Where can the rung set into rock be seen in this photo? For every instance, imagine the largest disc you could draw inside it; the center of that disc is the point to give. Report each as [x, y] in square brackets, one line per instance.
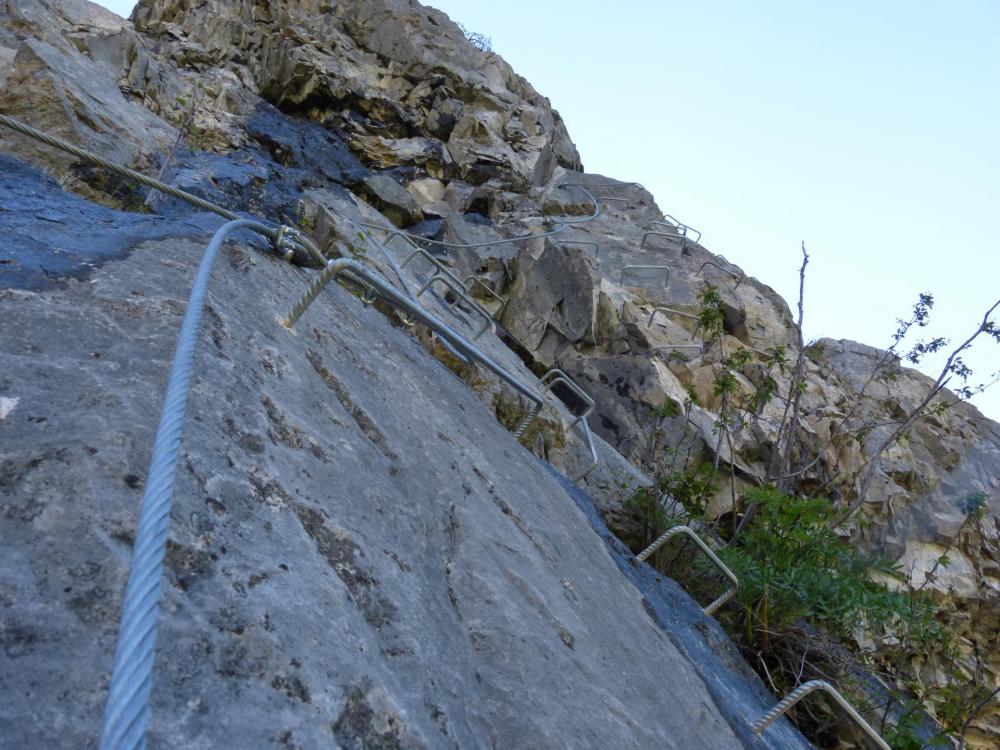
[360, 553]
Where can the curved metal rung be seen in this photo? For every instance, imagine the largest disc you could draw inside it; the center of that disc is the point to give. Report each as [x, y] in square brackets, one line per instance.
[626, 201]
[421, 252]
[671, 311]
[801, 692]
[597, 247]
[679, 223]
[476, 280]
[444, 274]
[612, 185]
[549, 379]
[699, 348]
[723, 568]
[672, 235]
[455, 286]
[740, 277]
[666, 281]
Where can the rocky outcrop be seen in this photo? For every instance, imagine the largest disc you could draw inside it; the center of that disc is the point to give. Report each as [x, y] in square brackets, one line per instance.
[376, 565]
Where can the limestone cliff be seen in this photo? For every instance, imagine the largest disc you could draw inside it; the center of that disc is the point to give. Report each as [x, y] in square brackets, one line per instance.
[361, 554]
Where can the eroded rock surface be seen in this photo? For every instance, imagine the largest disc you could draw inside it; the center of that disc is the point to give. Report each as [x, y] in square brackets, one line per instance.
[432, 598]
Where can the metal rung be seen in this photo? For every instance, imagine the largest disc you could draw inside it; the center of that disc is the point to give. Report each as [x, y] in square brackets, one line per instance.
[672, 235]
[699, 347]
[723, 568]
[671, 311]
[801, 692]
[666, 281]
[678, 222]
[626, 201]
[740, 277]
[549, 380]
[476, 280]
[597, 247]
[668, 220]
[449, 281]
[444, 275]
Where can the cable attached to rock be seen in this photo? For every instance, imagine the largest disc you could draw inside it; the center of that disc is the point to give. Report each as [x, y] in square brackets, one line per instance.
[289, 238]
[127, 710]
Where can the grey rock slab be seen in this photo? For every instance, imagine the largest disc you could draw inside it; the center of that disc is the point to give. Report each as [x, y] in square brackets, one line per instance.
[392, 199]
[63, 92]
[41, 230]
[360, 554]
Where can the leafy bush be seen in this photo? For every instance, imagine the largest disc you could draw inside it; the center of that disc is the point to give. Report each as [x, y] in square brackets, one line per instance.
[792, 567]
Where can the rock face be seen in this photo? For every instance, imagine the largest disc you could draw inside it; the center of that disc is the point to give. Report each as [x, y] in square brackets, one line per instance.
[362, 555]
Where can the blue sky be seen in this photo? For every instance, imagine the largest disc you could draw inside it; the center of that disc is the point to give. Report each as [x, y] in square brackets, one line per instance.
[869, 129]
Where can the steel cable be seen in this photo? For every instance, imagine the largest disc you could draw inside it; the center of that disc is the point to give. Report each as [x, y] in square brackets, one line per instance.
[127, 709]
[289, 234]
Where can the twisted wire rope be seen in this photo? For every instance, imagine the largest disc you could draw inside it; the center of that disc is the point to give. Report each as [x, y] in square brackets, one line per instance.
[127, 709]
[801, 692]
[287, 234]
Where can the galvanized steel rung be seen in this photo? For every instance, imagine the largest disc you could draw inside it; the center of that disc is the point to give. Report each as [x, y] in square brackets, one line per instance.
[613, 199]
[597, 247]
[626, 269]
[554, 376]
[672, 221]
[723, 568]
[489, 290]
[671, 311]
[671, 235]
[740, 277]
[548, 381]
[801, 692]
[444, 275]
[459, 291]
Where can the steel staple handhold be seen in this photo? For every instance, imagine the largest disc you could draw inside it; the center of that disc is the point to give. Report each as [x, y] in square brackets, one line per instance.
[670, 310]
[626, 269]
[801, 692]
[671, 235]
[723, 568]
[459, 290]
[740, 277]
[476, 280]
[555, 375]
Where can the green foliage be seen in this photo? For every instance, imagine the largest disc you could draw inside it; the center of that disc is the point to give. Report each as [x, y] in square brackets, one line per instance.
[711, 315]
[691, 488]
[792, 567]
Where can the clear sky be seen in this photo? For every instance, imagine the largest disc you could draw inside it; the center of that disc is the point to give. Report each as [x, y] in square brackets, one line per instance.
[871, 130]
